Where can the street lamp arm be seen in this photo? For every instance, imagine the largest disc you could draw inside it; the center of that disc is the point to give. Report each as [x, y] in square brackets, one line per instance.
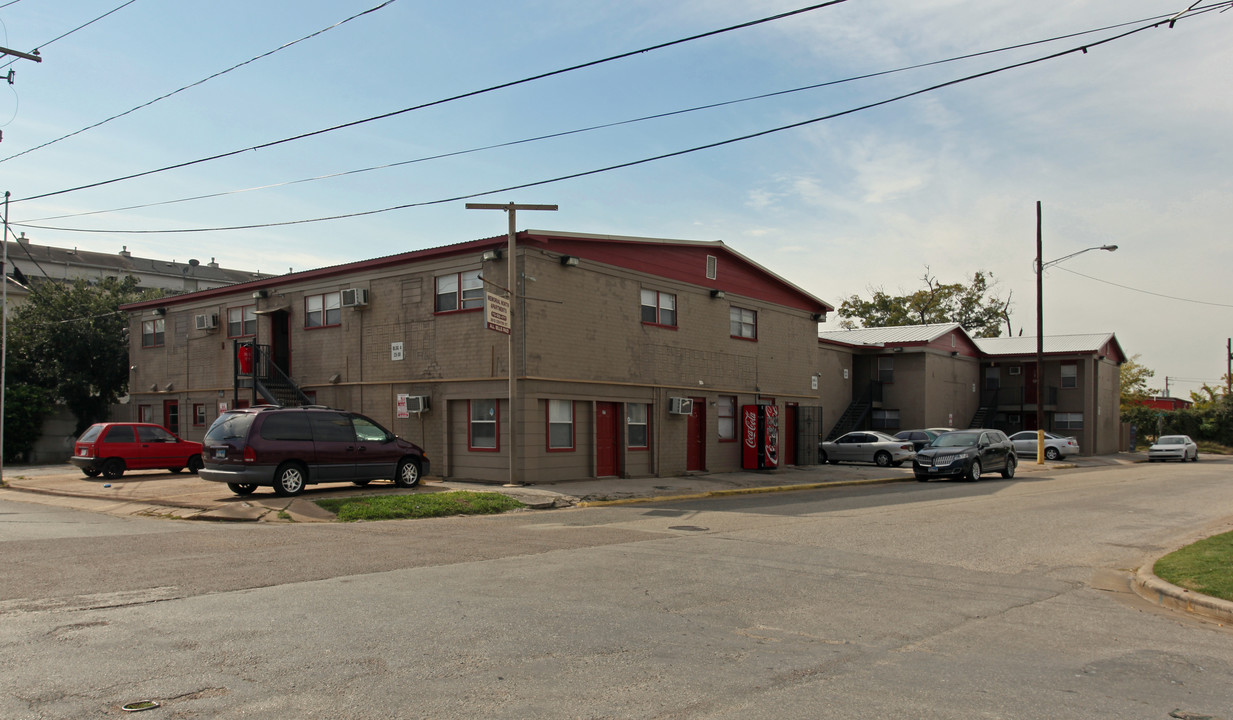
[1109, 248]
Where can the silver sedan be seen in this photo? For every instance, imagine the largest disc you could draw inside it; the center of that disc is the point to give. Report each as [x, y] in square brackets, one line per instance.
[867, 446]
[1056, 446]
[1173, 447]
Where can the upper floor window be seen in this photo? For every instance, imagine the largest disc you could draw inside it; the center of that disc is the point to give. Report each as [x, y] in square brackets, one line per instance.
[658, 308]
[743, 323]
[886, 369]
[242, 321]
[560, 424]
[1068, 421]
[323, 310]
[153, 332]
[460, 291]
[1070, 375]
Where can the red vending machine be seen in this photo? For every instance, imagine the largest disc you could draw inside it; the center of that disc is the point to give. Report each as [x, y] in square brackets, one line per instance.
[760, 437]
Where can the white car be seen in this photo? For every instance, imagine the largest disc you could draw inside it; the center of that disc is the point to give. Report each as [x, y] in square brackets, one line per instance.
[1173, 447]
[1056, 446]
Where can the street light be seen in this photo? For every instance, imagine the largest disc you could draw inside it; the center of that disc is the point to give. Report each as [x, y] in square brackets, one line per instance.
[1040, 330]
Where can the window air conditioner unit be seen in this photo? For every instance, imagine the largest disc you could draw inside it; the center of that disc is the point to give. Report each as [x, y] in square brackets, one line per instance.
[206, 322]
[354, 297]
[680, 406]
[1015, 369]
[417, 403]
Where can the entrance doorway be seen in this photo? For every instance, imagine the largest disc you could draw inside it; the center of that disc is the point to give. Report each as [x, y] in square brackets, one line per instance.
[280, 340]
[607, 439]
[695, 437]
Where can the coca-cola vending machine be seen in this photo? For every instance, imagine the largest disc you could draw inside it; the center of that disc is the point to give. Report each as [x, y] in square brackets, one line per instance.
[760, 437]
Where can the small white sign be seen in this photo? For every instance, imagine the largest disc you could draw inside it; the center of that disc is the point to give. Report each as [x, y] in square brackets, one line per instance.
[396, 351]
[403, 412]
[813, 382]
[496, 313]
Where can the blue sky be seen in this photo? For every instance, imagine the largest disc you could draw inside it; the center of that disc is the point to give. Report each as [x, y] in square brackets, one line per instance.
[1128, 144]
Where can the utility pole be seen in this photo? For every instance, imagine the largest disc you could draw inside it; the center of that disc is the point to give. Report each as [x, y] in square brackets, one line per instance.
[1040, 340]
[512, 260]
[1228, 368]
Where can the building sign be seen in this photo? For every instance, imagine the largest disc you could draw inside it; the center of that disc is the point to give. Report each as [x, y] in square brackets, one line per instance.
[496, 313]
[396, 351]
[401, 406]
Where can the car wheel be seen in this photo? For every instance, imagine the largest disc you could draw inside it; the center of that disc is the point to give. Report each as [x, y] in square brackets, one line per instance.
[1195, 458]
[1009, 471]
[90, 472]
[821, 458]
[195, 464]
[974, 470]
[113, 468]
[360, 483]
[408, 474]
[242, 488]
[290, 480]
[1053, 454]
[882, 458]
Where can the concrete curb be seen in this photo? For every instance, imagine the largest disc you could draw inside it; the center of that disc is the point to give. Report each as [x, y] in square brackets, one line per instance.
[740, 491]
[1151, 588]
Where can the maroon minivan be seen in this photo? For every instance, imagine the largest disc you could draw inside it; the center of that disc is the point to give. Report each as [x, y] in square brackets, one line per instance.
[112, 448]
[288, 448]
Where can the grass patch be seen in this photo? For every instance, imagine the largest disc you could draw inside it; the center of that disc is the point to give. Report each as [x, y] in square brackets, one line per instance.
[1205, 567]
[419, 505]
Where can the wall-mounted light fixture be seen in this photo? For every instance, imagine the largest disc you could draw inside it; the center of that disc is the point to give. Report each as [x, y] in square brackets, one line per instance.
[490, 255]
[954, 353]
[898, 349]
[717, 294]
[569, 261]
[160, 311]
[818, 317]
[261, 294]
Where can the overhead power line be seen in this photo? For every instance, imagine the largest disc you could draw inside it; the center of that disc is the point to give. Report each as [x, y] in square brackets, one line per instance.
[201, 81]
[473, 93]
[70, 32]
[1145, 292]
[602, 126]
[708, 146]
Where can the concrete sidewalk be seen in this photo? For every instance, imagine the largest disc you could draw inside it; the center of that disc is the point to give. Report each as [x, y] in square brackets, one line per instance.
[186, 496]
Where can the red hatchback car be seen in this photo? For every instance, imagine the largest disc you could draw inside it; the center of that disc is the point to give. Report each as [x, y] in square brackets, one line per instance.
[111, 448]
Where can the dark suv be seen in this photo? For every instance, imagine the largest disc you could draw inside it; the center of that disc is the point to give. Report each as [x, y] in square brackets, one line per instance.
[966, 454]
[288, 448]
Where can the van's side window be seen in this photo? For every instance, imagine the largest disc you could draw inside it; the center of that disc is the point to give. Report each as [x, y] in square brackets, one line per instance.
[286, 426]
[331, 427]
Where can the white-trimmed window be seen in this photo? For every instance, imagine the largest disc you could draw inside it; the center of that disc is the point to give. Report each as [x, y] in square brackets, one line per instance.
[560, 425]
[323, 310]
[1070, 375]
[483, 424]
[636, 426]
[743, 323]
[242, 321]
[1068, 421]
[153, 332]
[459, 291]
[658, 308]
[199, 414]
[727, 418]
[885, 419]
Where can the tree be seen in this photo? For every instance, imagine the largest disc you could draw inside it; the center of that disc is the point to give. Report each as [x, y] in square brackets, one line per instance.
[973, 305]
[1134, 376]
[70, 341]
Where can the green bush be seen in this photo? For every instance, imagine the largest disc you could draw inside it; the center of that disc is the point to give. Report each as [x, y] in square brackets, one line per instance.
[25, 407]
[419, 505]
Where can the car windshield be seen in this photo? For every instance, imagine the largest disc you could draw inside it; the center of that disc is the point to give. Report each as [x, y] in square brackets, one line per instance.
[1172, 440]
[956, 440]
[229, 426]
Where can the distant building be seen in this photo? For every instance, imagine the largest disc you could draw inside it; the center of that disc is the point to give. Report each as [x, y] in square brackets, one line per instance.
[30, 265]
[1167, 404]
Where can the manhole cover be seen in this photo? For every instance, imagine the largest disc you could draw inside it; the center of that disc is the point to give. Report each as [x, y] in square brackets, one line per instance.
[691, 528]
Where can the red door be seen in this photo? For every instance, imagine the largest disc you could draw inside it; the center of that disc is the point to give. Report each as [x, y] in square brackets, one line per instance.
[606, 439]
[787, 436]
[695, 436]
[171, 415]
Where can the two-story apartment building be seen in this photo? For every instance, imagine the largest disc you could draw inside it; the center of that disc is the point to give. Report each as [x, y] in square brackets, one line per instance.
[633, 356]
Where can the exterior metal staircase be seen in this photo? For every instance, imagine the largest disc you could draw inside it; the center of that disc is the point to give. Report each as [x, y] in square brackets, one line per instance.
[857, 411]
[255, 370]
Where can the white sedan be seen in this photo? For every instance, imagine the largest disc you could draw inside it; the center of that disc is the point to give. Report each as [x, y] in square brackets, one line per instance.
[1056, 446]
[1173, 447]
